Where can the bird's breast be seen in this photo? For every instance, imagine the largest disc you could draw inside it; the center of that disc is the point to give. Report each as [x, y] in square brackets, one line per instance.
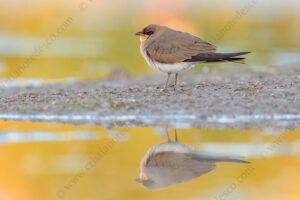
[164, 67]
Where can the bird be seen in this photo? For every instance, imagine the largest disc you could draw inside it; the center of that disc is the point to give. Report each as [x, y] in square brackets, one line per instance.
[172, 162]
[173, 51]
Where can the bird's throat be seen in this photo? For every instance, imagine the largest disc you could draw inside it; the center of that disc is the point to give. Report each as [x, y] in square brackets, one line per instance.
[143, 38]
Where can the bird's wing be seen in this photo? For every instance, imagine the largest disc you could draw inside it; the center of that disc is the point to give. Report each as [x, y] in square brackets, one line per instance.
[172, 167]
[176, 46]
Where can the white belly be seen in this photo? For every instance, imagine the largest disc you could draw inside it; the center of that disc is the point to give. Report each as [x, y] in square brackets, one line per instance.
[172, 68]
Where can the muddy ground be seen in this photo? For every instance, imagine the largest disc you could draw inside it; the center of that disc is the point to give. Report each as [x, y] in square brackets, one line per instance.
[232, 99]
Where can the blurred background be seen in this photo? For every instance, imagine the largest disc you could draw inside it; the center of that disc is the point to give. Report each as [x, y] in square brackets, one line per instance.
[89, 39]
[60, 40]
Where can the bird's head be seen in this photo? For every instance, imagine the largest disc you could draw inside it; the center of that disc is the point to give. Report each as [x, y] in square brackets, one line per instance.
[150, 31]
[152, 183]
[147, 182]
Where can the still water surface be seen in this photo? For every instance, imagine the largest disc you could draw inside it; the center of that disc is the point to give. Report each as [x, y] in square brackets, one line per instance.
[56, 161]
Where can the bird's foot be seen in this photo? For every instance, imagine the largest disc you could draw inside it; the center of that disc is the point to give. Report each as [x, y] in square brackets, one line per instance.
[168, 89]
[164, 90]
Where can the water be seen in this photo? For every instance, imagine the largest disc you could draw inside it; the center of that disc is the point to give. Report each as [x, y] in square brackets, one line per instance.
[177, 120]
[56, 161]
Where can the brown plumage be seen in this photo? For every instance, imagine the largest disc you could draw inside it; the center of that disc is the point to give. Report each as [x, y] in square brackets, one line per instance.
[173, 51]
[169, 46]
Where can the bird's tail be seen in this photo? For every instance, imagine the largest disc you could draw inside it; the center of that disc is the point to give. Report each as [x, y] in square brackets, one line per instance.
[202, 156]
[218, 57]
[231, 160]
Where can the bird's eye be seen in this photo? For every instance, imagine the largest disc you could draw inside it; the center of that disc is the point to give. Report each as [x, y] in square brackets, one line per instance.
[149, 33]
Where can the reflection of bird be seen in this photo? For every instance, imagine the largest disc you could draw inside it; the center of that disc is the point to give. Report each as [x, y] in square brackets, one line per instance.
[173, 51]
[172, 162]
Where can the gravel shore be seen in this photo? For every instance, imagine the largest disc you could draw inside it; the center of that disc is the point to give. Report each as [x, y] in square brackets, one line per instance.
[246, 101]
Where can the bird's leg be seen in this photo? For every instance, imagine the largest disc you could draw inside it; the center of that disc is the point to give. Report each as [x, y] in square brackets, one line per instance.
[169, 74]
[168, 135]
[176, 139]
[176, 76]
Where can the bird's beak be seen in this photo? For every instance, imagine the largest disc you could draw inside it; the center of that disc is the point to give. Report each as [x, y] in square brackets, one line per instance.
[140, 34]
[139, 180]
